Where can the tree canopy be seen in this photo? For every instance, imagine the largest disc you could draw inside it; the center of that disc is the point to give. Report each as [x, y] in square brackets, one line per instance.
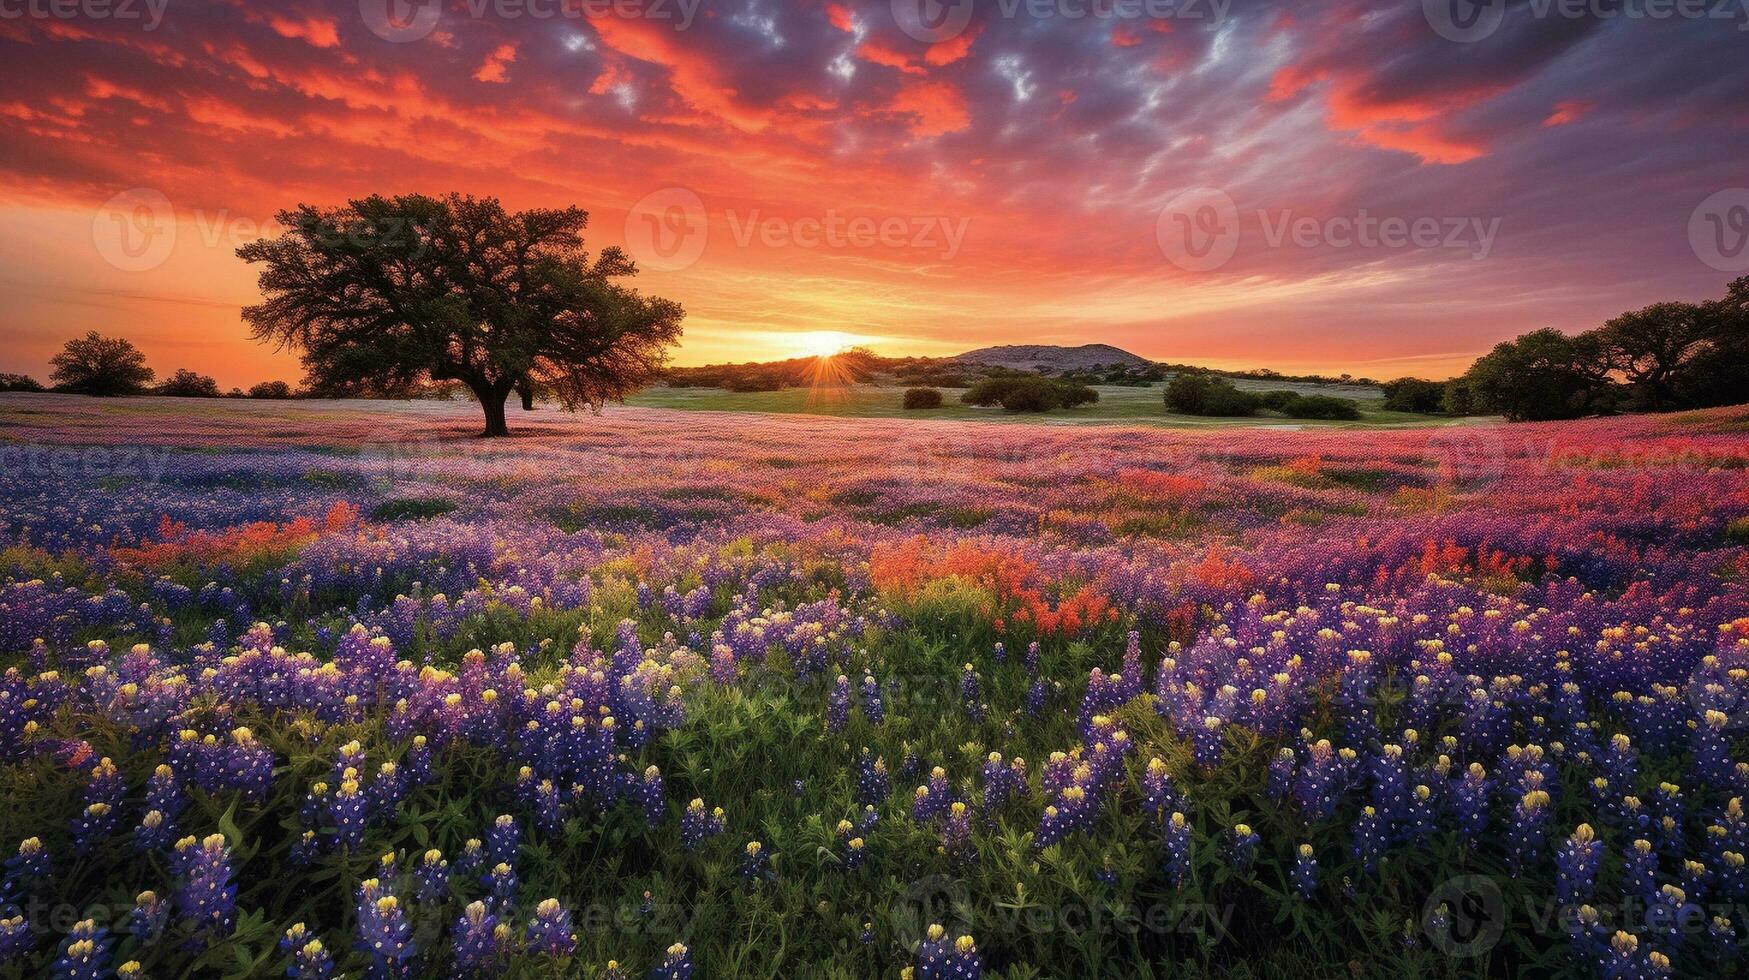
[99, 365]
[388, 293]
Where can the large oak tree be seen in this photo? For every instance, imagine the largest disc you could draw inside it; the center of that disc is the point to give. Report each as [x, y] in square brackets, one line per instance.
[389, 292]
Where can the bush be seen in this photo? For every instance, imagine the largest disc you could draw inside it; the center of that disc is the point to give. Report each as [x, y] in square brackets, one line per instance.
[1198, 393]
[19, 382]
[101, 366]
[271, 389]
[1322, 407]
[1028, 393]
[189, 384]
[922, 398]
[1277, 401]
[1415, 395]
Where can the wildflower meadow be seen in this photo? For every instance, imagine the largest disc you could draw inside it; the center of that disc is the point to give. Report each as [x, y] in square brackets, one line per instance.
[319, 689]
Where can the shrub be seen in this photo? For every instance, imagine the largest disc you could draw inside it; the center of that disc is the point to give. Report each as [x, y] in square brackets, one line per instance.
[189, 384]
[19, 382]
[1415, 395]
[1277, 401]
[1199, 393]
[922, 398]
[271, 389]
[1322, 407]
[1028, 393]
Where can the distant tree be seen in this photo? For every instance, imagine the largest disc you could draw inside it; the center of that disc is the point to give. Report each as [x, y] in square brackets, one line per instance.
[1276, 401]
[99, 365]
[1654, 347]
[1457, 399]
[1543, 375]
[916, 398]
[19, 382]
[392, 290]
[189, 384]
[1719, 373]
[235, 393]
[271, 389]
[1414, 395]
[1201, 393]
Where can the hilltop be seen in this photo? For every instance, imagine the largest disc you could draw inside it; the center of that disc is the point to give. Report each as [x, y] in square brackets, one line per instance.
[1031, 357]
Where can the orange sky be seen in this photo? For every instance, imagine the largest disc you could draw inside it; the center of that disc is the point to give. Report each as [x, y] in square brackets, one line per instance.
[796, 172]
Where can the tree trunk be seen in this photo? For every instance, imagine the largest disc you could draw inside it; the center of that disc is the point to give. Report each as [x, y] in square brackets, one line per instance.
[493, 404]
[526, 390]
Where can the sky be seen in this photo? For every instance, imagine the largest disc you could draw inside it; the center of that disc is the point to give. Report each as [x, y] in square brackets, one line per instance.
[1381, 188]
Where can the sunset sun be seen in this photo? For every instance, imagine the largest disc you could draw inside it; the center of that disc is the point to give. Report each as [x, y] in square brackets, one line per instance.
[822, 343]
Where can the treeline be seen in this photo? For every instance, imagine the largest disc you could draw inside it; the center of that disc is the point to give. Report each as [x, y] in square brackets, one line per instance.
[1664, 357]
[112, 367]
[1195, 392]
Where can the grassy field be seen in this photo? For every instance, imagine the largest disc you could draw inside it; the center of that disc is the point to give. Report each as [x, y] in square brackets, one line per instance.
[1116, 404]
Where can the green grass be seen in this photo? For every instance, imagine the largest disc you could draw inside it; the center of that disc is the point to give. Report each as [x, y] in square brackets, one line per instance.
[1117, 404]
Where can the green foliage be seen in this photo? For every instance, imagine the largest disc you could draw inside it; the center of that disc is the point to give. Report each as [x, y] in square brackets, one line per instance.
[1415, 395]
[1199, 393]
[922, 398]
[1540, 376]
[1028, 393]
[1321, 407]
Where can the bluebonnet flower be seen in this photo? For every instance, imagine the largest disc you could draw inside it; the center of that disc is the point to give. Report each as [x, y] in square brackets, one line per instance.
[873, 786]
[206, 897]
[956, 833]
[550, 932]
[1469, 800]
[310, 959]
[1158, 795]
[872, 707]
[696, 824]
[472, 859]
[647, 794]
[1576, 866]
[964, 963]
[1178, 844]
[676, 965]
[503, 839]
[85, 955]
[1243, 846]
[932, 954]
[90, 827]
[1282, 770]
[755, 864]
[1305, 872]
[384, 935]
[29, 867]
[1368, 844]
[148, 917]
[1524, 835]
[838, 705]
[475, 942]
[970, 695]
[501, 885]
[16, 939]
[1640, 869]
